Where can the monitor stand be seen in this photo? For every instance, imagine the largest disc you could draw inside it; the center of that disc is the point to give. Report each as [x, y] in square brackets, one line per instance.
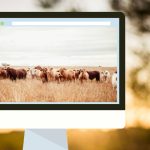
[47, 139]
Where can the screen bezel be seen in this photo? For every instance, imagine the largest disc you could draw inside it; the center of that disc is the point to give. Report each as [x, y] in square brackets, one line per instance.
[121, 105]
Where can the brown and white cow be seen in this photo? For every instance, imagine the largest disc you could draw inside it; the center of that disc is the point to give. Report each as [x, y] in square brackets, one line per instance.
[53, 75]
[38, 73]
[102, 78]
[34, 73]
[105, 76]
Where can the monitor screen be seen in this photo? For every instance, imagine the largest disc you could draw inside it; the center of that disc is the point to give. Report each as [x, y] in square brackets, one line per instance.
[62, 61]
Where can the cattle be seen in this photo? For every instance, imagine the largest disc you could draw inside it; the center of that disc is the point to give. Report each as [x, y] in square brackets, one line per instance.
[83, 75]
[30, 73]
[51, 74]
[43, 76]
[114, 80]
[38, 68]
[21, 73]
[39, 73]
[11, 74]
[44, 69]
[3, 73]
[102, 78]
[33, 73]
[77, 73]
[14, 74]
[54, 75]
[67, 74]
[58, 77]
[106, 76]
[94, 75]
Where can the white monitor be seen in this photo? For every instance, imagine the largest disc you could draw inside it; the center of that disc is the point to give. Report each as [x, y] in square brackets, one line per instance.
[62, 70]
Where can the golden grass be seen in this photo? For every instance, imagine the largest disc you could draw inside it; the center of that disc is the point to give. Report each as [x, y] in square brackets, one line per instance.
[35, 91]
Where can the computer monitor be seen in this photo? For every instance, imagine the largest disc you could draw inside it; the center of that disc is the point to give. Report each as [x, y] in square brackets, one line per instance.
[62, 70]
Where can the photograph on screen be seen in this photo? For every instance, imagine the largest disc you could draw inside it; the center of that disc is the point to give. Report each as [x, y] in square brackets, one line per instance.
[58, 64]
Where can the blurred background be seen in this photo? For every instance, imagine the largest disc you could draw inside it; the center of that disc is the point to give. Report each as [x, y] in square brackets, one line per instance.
[136, 134]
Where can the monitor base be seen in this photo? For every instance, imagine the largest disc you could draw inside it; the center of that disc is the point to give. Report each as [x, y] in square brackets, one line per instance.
[47, 139]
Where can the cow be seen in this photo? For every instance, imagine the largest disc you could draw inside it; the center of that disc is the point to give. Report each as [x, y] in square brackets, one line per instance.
[107, 76]
[29, 73]
[33, 73]
[58, 77]
[70, 73]
[11, 74]
[38, 68]
[24, 73]
[94, 75]
[54, 75]
[114, 80]
[3, 73]
[102, 78]
[38, 73]
[83, 75]
[77, 73]
[14, 74]
[43, 76]
[21, 73]
[51, 74]
[67, 74]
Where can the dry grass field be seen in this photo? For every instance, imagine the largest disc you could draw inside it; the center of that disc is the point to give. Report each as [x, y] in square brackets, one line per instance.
[33, 90]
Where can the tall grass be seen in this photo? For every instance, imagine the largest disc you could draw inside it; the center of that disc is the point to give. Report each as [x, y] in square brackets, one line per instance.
[36, 91]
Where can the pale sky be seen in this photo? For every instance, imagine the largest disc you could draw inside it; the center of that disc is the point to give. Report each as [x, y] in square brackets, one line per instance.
[58, 46]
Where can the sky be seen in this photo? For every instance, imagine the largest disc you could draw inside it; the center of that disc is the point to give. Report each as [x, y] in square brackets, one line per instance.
[92, 51]
[58, 46]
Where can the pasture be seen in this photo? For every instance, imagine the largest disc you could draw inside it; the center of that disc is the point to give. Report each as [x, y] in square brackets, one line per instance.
[33, 90]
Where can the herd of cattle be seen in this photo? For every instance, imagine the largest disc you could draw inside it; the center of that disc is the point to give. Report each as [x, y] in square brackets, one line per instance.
[47, 74]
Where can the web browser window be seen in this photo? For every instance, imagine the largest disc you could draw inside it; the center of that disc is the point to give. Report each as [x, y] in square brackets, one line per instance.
[62, 61]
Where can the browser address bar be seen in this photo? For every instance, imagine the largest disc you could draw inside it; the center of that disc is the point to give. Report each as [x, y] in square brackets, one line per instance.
[47, 23]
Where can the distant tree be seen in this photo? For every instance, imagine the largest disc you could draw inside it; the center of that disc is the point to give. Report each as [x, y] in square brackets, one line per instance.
[139, 80]
[138, 12]
[47, 3]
